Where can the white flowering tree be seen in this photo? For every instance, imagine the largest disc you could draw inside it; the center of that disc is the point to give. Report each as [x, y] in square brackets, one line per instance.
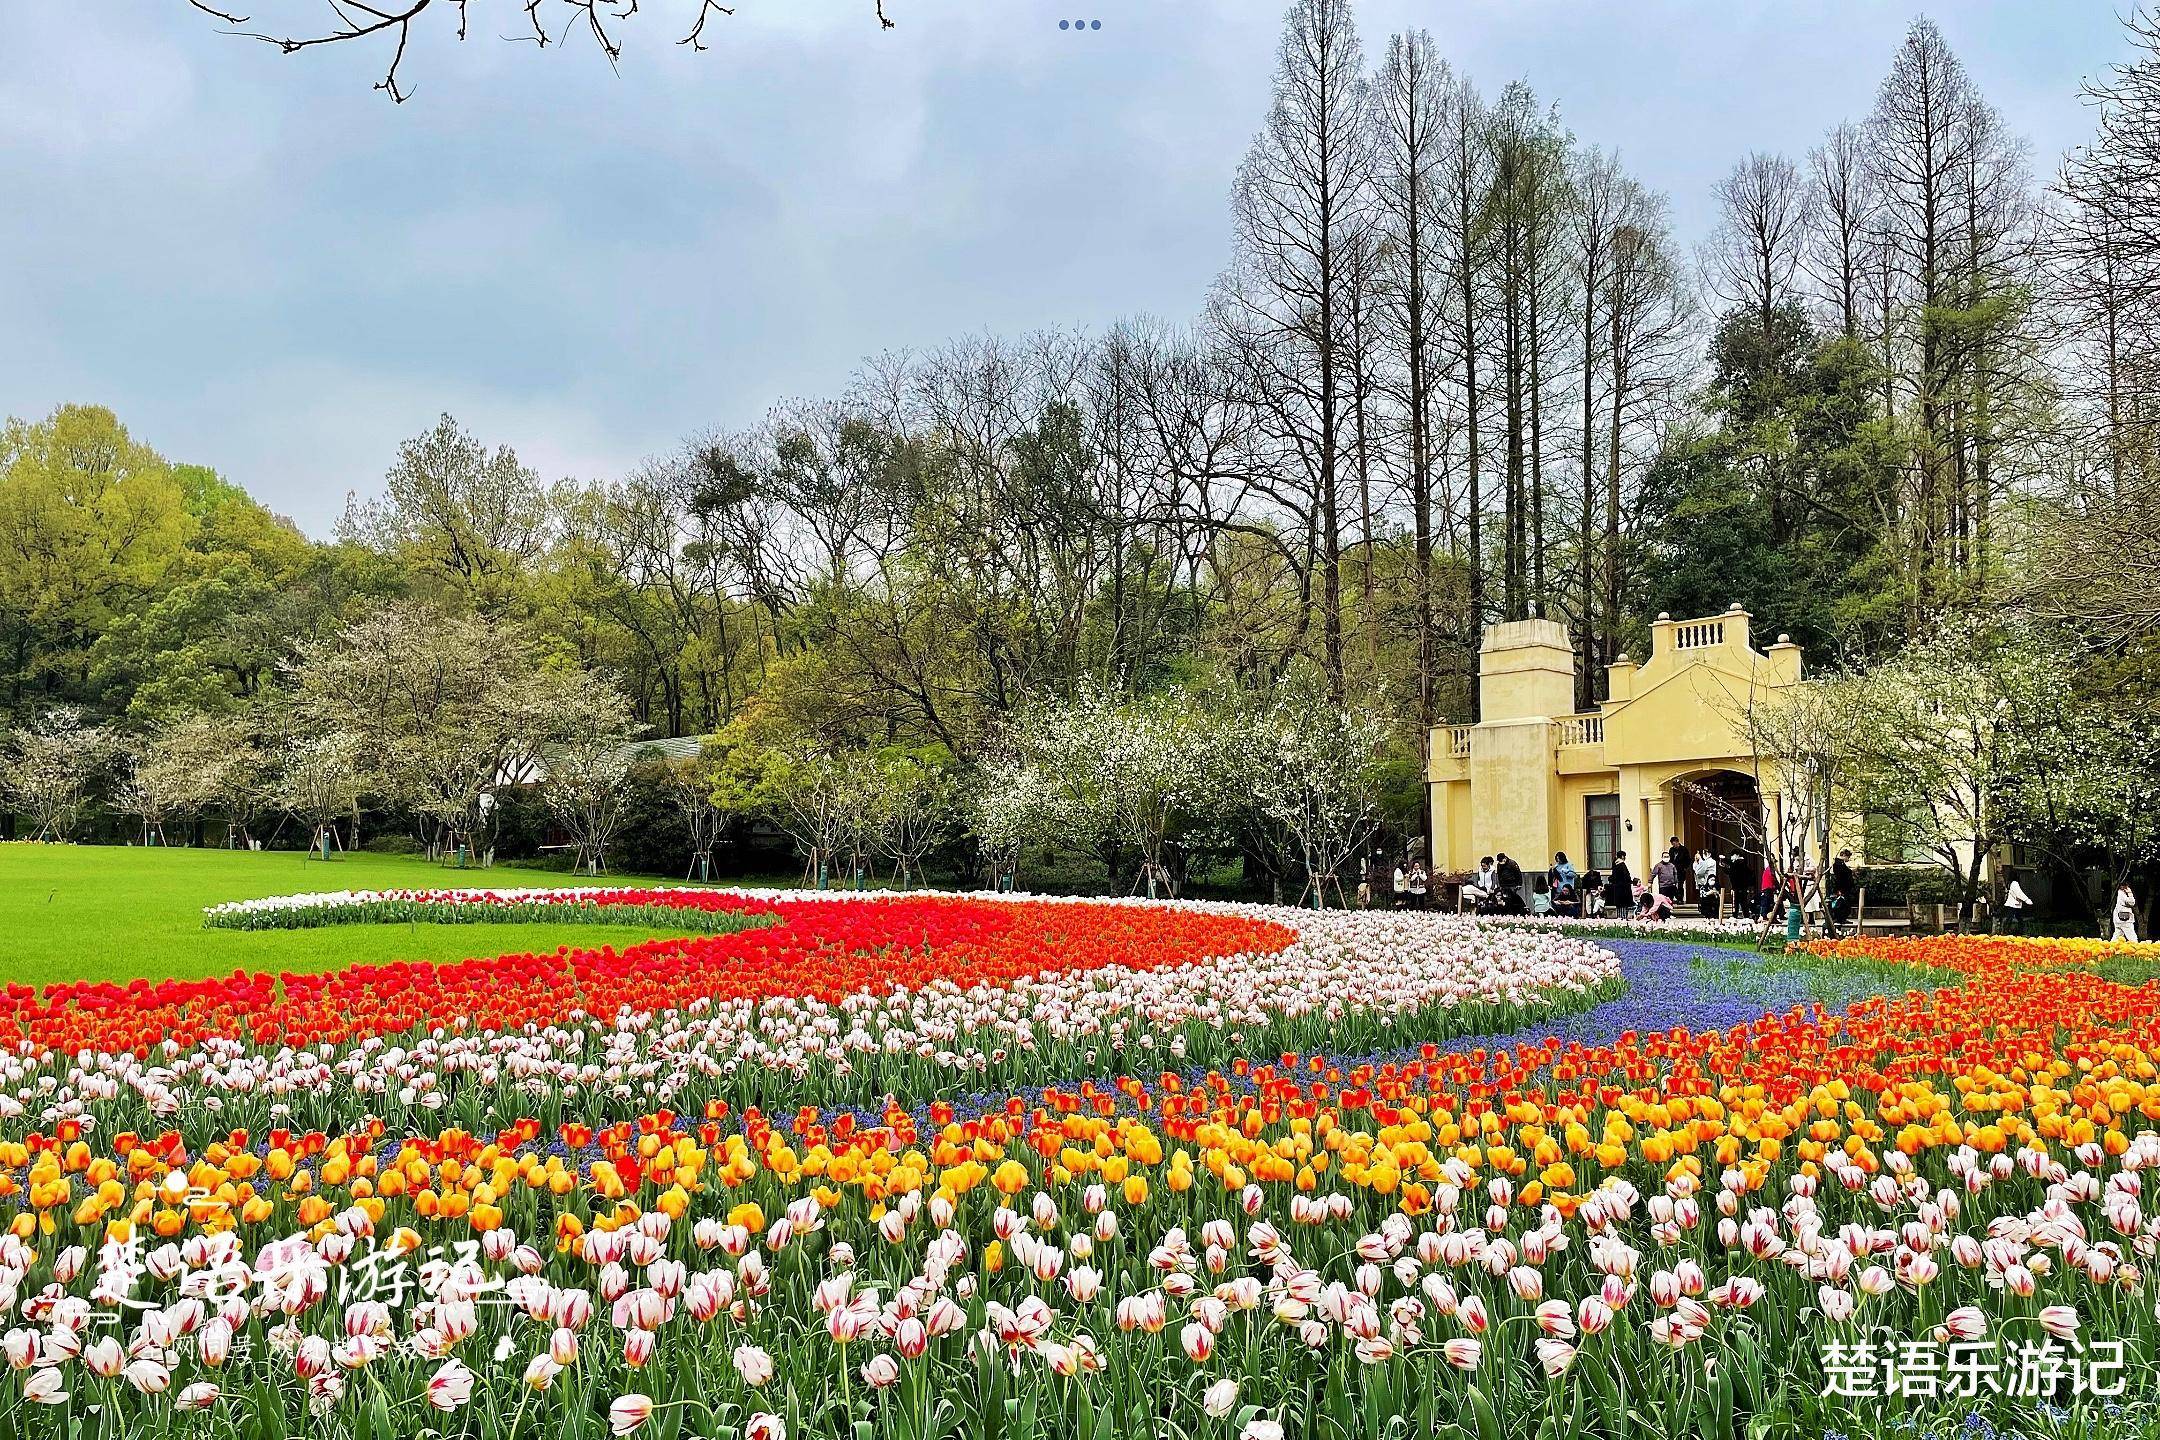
[50, 768]
[320, 781]
[1007, 809]
[588, 781]
[1138, 773]
[450, 708]
[227, 766]
[1315, 767]
[1806, 742]
[810, 794]
[1950, 732]
[165, 778]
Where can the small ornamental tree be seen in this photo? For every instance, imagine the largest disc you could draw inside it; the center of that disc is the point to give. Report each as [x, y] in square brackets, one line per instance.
[1010, 806]
[807, 792]
[1138, 773]
[449, 708]
[1806, 742]
[1949, 735]
[320, 782]
[688, 783]
[51, 768]
[587, 767]
[238, 772]
[1315, 768]
[917, 798]
[587, 782]
[165, 780]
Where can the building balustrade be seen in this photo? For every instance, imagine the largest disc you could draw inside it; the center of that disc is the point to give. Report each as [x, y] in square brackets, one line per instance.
[1582, 730]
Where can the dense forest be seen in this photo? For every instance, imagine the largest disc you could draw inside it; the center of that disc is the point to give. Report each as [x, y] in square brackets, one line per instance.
[1458, 368]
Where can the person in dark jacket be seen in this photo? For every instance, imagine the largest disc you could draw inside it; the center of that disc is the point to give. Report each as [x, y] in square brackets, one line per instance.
[1844, 892]
[1620, 887]
[1746, 880]
[1510, 873]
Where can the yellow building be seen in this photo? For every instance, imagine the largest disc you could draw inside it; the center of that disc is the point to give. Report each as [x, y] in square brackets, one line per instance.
[1665, 757]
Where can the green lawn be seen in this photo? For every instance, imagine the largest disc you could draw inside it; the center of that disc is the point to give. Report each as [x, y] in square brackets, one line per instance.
[102, 912]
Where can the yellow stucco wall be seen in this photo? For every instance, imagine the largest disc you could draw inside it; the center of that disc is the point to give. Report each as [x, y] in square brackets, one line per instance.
[1517, 780]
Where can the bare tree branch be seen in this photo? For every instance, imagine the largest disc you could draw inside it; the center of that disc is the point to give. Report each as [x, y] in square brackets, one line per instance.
[705, 10]
[360, 20]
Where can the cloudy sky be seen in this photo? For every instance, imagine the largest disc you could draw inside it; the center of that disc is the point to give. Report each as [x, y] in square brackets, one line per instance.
[264, 266]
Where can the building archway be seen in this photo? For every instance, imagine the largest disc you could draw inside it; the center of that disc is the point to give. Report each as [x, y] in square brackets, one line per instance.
[1719, 811]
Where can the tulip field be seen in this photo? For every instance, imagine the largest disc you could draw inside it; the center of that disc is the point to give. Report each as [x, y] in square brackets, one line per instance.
[922, 1166]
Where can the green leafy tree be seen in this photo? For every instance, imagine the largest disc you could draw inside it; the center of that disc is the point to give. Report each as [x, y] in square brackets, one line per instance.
[91, 521]
[462, 519]
[1786, 496]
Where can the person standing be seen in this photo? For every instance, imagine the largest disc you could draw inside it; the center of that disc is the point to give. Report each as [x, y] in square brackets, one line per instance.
[1844, 892]
[1665, 879]
[2015, 903]
[1420, 885]
[1399, 889]
[2126, 910]
[1620, 887]
[1375, 888]
[1745, 875]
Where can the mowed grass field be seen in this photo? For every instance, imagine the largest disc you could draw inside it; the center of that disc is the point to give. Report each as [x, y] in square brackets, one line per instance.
[104, 912]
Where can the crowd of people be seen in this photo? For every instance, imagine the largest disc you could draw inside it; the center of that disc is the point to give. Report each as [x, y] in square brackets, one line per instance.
[1738, 884]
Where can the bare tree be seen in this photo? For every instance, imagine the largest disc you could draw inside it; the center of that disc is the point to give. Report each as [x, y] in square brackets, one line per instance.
[1644, 316]
[1918, 150]
[1465, 243]
[1410, 104]
[1600, 193]
[1301, 204]
[1843, 203]
[2108, 275]
[1764, 225]
[1523, 213]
